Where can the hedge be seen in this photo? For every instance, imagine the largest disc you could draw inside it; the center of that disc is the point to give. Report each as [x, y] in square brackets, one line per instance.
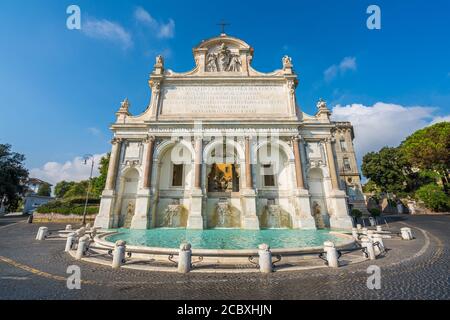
[67, 208]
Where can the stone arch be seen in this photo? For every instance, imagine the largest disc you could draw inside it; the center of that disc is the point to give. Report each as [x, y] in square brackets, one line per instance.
[283, 162]
[212, 144]
[165, 146]
[211, 165]
[282, 145]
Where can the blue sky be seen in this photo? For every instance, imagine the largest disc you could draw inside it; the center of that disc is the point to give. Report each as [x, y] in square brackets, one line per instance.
[60, 88]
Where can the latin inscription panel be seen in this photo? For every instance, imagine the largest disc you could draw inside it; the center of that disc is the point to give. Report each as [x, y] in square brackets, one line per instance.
[222, 100]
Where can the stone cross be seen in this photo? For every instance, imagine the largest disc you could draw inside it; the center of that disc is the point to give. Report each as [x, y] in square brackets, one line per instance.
[223, 24]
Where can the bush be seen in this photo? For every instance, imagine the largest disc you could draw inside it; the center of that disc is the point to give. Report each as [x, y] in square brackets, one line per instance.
[374, 212]
[355, 213]
[434, 197]
[81, 201]
[62, 207]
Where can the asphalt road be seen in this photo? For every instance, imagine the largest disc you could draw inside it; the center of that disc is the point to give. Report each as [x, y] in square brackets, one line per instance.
[417, 269]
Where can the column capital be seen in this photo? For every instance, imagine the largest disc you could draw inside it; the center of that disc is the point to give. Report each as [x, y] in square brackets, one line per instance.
[149, 138]
[116, 140]
[329, 140]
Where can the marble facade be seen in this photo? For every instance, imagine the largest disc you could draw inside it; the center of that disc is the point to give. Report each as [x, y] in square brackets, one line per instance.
[224, 145]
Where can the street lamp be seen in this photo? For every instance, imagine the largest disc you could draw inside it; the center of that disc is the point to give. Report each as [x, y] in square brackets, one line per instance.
[86, 158]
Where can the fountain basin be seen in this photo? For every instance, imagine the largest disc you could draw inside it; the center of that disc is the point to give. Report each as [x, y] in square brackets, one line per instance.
[226, 239]
[226, 246]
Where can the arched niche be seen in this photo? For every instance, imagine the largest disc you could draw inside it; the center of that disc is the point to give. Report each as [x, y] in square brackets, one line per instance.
[129, 184]
[319, 208]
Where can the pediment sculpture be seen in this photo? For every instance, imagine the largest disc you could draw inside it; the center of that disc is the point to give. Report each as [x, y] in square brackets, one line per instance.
[223, 60]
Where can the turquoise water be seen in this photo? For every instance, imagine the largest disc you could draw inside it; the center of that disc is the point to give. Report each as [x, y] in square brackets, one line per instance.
[225, 238]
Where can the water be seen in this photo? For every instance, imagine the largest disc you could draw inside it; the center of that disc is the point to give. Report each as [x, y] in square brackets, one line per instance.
[225, 238]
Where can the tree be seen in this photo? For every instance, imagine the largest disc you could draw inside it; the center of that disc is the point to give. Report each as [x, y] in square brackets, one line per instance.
[98, 183]
[434, 197]
[77, 190]
[387, 169]
[429, 149]
[44, 190]
[12, 176]
[62, 187]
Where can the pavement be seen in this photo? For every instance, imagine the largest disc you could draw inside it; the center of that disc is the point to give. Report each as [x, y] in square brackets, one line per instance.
[417, 269]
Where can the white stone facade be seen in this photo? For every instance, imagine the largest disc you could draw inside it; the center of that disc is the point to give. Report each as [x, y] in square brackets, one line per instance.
[224, 145]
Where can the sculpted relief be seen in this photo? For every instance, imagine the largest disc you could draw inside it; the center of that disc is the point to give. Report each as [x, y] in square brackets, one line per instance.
[223, 60]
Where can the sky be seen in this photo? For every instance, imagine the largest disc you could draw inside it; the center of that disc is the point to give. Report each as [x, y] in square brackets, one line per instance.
[60, 88]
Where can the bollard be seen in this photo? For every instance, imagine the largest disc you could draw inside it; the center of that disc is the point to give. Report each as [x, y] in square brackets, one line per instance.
[118, 254]
[332, 255]
[379, 229]
[184, 258]
[69, 242]
[265, 258]
[94, 231]
[87, 226]
[379, 239]
[372, 221]
[68, 227]
[355, 233]
[42, 233]
[359, 226]
[81, 232]
[406, 233]
[82, 246]
[30, 219]
[368, 243]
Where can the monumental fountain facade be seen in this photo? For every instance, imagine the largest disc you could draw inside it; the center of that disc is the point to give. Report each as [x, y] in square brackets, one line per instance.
[226, 146]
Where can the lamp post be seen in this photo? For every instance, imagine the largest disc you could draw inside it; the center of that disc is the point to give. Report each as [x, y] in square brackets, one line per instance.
[86, 158]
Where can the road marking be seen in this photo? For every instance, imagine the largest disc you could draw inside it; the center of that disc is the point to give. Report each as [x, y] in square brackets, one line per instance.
[12, 224]
[14, 278]
[38, 272]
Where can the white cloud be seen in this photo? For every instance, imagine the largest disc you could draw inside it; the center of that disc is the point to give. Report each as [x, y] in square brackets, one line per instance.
[348, 63]
[441, 119]
[162, 30]
[107, 30]
[73, 170]
[384, 124]
[94, 131]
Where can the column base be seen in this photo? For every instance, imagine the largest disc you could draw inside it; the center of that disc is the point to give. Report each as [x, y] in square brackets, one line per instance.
[140, 219]
[303, 218]
[104, 218]
[195, 218]
[339, 217]
[250, 220]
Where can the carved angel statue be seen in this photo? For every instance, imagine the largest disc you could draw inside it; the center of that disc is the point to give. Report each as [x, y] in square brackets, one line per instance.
[287, 62]
[235, 63]
[321, 104]
[211, 62]
[124, 106]
[160, 60]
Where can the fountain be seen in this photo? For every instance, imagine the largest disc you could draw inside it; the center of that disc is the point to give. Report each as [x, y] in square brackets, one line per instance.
[173, 216]
[274, 217]
[224, 216]
[129, 215]
[318, 218]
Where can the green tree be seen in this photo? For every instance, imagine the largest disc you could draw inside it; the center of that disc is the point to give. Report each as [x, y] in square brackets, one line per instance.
[44, 190]
[429, 149]
[77, 190]
[434, 197]
[12, 176]
[387, 169]
[98, 183]
[62, 187]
